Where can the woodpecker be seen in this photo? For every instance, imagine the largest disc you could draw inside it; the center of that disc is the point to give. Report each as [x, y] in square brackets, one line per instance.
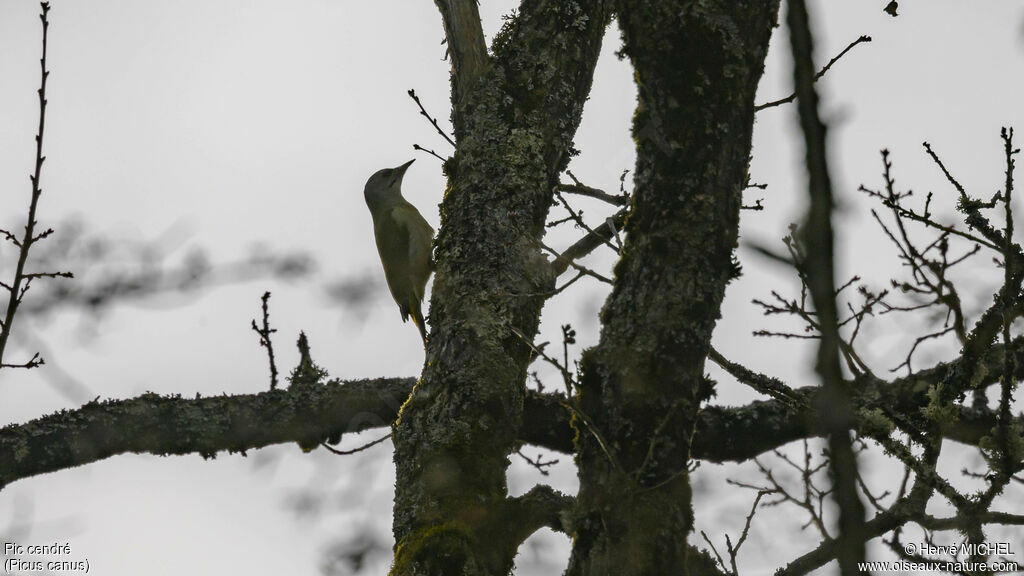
[404, 241]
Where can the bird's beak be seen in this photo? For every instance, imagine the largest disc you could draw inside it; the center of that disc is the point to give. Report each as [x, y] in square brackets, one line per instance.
[401, 169]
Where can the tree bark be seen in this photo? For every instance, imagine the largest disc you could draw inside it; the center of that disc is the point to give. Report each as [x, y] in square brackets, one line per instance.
[697, 69]
[515, 116]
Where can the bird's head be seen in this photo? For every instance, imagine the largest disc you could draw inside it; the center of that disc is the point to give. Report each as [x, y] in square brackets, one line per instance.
[385, 185]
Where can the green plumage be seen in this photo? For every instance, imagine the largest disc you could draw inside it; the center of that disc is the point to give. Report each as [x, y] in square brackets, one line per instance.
[404, 242]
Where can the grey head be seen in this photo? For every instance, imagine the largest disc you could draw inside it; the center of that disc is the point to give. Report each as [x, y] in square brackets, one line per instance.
[385, 185]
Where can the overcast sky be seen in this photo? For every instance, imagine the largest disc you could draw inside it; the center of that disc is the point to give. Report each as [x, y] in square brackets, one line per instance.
[231, 124]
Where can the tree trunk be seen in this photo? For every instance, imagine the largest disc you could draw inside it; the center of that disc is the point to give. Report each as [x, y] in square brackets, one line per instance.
[697, 68]
[515, 112]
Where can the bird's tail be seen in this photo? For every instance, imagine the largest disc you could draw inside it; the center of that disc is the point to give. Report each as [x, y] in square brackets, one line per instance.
[417, 319]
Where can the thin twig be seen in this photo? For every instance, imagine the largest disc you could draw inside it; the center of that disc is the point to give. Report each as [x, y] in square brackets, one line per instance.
[423, 112]
[1008, 462]
[539, 464]
[22, 280]
[588, 243]
[561, 258]
[577, 217]
[265, 342]
[581, 190]
[428, 151]
[817, 76]
[538, 351]
[354, 450]
[764, 384]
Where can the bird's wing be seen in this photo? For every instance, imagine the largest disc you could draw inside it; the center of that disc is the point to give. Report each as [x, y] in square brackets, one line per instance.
[420, 248]
[393, 244]
[404, 240]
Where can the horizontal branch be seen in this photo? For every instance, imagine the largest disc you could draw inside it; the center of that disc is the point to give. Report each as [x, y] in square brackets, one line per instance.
[165, 425]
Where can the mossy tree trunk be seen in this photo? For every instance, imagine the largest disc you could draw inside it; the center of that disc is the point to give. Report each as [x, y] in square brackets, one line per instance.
[697, 68]
[515, 111]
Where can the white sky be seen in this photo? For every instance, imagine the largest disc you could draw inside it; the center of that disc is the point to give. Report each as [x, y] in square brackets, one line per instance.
[246, 122]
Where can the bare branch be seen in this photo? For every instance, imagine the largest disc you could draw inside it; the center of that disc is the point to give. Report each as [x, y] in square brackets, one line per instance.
[419, 148]
[537, 463]
[17, 288]
[593, 193]
[34, 362]
[366, 446]
[821, 281]
[569, 261]
[264, 334]
[431, 119]
[577, 217]
[174, 425]
[589, 243]
[581, 189]
[817, 76]
[764, 384]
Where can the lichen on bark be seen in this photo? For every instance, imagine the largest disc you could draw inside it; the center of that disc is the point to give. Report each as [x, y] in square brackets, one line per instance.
[697, 71]
[515, 117]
